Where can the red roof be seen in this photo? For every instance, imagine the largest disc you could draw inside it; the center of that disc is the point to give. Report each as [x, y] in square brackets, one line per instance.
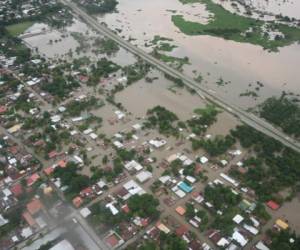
[77, 201]
[125, 209]
[180, 231]
[2, 109]
[145, 222]
[34, 206]
[49, 170]
[29, 219]
[17, 189]
[112, 240]
[32, 179]
[52, 154]
[62, 163]
[87, 192]
[273, 205]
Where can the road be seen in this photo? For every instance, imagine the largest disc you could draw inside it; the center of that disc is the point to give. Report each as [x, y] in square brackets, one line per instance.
[248, 118]
[74, 213]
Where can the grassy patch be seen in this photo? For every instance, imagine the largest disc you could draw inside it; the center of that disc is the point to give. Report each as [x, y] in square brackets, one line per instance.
[19, 28]
[163, 43]
[158, 38]
[166, 47]
[176, 62]
[238, 28]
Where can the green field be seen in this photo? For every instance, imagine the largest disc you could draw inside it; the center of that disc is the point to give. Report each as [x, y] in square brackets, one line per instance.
[19, 28]
[237, 28]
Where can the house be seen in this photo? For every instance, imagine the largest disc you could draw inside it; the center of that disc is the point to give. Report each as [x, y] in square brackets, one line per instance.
[17, 190]
[2, 109]
[49, 170]
[133, 165]
[143, 176]
[62, 163]
[29, 219]
[239, 238]
[34, 206]
[281, 225]
[112, 208]
[238, 219]
[77, 202]
[180, 210]
[273, 205]
[125, 209]
[157, 143]
[162, 227]
[182, 230]
[87, 192]
[113, 240]
[33, 179]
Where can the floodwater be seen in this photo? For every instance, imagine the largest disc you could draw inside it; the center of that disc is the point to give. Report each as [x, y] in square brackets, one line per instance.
[241, 64]
[289, 8]
[55, 44]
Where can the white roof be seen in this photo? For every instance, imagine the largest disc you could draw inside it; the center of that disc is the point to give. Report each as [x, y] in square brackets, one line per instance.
[112, 208]
[73, 132]
[165, 178]
[77, 119]
[224, 162]
[158, 143]
[85, 212]
[6, 192]
[203, 160]
[133, 188]
[26, 232]
[180, 193]
[118, 144]
[63, 245]
[238, 218]
[87, 131]
[191, 179]
[137, 126]
[229, 179]
[261, 246]
[187, 162]
[3, 221]
[143, 176]
[93, 136]
[101, 183]
[251, 229]
[254, 221]
[223, 242]
[239, 164]
[133, 165]
[78, 159]
[119, 114]
[55, 118]
[239, 238]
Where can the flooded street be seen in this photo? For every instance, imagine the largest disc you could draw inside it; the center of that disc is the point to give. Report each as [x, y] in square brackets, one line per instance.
[240, 63]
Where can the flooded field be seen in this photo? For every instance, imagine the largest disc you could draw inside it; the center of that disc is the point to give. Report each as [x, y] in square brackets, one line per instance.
[238, 63]
[61, 44]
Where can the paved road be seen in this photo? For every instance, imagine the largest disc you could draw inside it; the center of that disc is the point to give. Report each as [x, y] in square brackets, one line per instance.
[244, 116]
[74, 213]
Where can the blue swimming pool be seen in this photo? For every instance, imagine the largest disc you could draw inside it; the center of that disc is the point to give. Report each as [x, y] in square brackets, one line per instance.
[185, 187]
